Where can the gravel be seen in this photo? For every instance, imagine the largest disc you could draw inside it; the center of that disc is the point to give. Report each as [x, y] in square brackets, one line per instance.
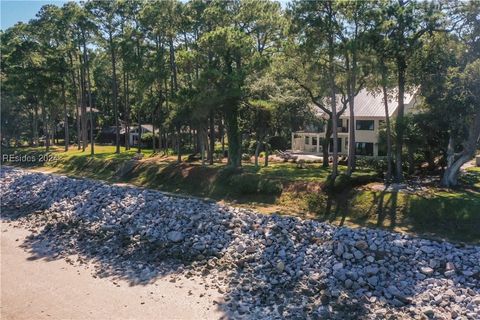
[265, 266]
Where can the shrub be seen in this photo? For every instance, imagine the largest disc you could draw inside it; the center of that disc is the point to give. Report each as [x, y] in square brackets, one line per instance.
[315, 202]
[248, 183]
[245, 157]
[278, 143]
[245, 183]
[268, 186]
[147, 139]
[377, 165]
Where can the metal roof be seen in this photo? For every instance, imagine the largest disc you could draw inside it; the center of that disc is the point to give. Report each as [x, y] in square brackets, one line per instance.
[370, 104]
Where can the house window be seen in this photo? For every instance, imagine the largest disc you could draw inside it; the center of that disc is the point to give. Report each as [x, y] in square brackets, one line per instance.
[365, 124]
[314, 141]
[364, 148]
[307, 140]
[339, 145]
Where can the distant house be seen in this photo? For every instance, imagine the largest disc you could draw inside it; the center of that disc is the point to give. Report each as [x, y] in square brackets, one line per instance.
[369, 118]
[134, 136]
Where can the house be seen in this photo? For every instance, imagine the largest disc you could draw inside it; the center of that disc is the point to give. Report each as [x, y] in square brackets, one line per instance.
[133, 138]
[369, 118]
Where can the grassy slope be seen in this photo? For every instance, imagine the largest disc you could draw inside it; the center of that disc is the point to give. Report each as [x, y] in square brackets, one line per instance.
[446, 214]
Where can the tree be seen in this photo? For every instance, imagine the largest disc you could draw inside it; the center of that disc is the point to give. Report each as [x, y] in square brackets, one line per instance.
[315, 66]
[407, 22]
[105, 14]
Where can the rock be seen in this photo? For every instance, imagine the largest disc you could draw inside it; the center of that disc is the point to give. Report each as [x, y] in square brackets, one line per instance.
[449, 273]
[250, 258]
[339, 250]
[426, 271]
[337, 266]
[427, 249]
[371, 270]
[428, 312]
[348, 283]
[347, 256]
[175, 236]
[373, 281]
[251, 249]
[449, 266]
[361, 245]
[358, 255]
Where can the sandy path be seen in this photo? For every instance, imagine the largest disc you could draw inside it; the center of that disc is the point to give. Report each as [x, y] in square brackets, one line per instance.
[41, 289]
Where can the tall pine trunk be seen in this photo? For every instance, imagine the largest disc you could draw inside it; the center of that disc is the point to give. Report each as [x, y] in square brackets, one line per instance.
[114, 92]
[401, 64]
[127, 111]
[84, 106]
[389, 133]
[89, 89]
[65, 118]
[212, 137]
[233, 136]
[326, 144]
[352, 83]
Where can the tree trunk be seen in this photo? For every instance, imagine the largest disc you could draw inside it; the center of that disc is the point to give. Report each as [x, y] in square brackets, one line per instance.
[212, 137]
[411, 160]
[127, 112]
[89, 88]
[139, 140]
[65, 118]
[173, 66]
[45, 128]
[257, 151]
[352, 84]
[75, 93]
[401, 65]
[84, 107]
[222, 136]
[233, 136]
[333, 100]
[267, 151]
[179, 153]
[114, 92]
[154, 144]
[326, 144]
[387, 123]
[202, 145]
[35, 126]
[450, 176]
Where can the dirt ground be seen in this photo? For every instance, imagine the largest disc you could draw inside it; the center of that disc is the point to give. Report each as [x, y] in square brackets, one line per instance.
[41, 289]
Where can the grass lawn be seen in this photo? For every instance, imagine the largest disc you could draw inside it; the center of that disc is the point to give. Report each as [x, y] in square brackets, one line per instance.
[285, 189]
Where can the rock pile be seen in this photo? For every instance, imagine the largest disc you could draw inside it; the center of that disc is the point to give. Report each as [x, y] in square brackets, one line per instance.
[264, 266]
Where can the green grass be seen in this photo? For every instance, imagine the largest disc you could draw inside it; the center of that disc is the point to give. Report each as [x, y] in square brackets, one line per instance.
[453, 214]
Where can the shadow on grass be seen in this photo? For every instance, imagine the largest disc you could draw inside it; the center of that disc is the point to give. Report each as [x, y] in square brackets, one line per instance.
[453, 215]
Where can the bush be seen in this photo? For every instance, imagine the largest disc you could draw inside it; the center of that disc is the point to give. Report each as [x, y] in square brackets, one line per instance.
[268, 186]
[245, 157]
[245, 183]
[147, 140]
[344, 182]
[278, 143]
[377, 165]
[316, 202]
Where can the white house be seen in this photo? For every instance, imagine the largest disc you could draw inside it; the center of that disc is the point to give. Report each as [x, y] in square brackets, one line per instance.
[369, 117]
[134, 137]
